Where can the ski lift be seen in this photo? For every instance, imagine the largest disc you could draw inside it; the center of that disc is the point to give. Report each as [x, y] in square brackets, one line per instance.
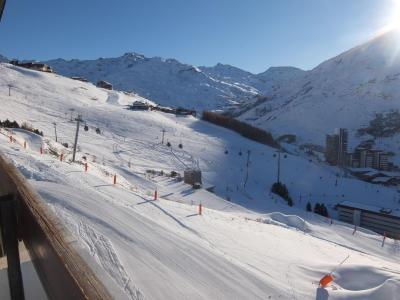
[86, 128]
[180, 146]
[98, 130]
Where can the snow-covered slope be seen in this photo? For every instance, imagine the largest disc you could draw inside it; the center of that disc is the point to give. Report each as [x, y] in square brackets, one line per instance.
[345, 91]
[3, 58]
[248, 244]
[166, 81]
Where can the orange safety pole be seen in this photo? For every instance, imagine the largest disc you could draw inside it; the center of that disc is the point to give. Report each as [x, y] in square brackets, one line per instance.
[327, 279]
[384, 238]
[155, 195]
[61, 156]
[86, 167]
[200, 209]
[41, 150]
[355, 229]
[115, 179]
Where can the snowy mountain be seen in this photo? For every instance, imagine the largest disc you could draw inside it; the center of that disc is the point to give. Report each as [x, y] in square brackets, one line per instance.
[345, 91]
[3, 58]
[247, 244]
[171, 83]
[166, 81]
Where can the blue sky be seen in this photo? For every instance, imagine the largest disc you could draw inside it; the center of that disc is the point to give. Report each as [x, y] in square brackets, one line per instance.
[250, 34]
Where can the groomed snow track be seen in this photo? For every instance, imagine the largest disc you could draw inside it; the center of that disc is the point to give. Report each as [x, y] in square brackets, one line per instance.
[64, 274]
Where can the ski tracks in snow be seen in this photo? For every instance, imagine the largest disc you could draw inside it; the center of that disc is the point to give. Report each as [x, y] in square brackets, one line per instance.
[101, 248]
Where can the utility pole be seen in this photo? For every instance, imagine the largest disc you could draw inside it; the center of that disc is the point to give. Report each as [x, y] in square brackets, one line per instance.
[279, 165]
[78, 120]
[163, 133]
[55, 129]
[247, 168]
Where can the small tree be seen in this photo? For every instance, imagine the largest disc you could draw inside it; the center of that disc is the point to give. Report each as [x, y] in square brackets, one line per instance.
[281, 190]
[317, 208]
[308, 207]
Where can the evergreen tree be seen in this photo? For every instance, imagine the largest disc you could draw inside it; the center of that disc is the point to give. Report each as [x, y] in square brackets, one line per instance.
[308, 207]
[317, 208]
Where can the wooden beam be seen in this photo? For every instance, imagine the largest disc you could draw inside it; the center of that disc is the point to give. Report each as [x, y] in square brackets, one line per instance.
[10, 240]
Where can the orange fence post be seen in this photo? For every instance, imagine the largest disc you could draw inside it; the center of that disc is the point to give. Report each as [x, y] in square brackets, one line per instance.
[327, 279]
[384, 238]
[200, 209]
[355, 229]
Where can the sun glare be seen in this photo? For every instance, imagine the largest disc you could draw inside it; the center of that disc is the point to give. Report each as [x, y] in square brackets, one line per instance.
[394, 18]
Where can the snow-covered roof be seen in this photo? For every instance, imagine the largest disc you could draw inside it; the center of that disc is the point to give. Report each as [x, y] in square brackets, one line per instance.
[371, 208]
[381, 179]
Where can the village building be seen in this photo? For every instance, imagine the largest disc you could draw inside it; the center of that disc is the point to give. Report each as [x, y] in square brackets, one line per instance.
[33, 66]
[377, 219]
[104, 84]
[79, 78]
[139, 105]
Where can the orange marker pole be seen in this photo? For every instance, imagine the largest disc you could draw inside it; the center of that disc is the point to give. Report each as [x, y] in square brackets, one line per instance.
[384, 238]
[61, 157]
[86, 167]
[115, 179]
[155, 195]
[355, 229]
[200, 209]
[327, 279]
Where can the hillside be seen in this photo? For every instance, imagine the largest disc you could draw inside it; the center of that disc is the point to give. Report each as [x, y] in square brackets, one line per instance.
[171, 83]
[345, 91]
[165, 81]
[248, 244]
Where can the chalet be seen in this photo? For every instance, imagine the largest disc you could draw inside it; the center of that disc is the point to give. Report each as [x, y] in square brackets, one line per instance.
[164, 109]
[375, 176]
[104, 84]
[378, 219]
[139, 105]
[79, 79]
[180, 111]
[185, 112]
[32, 65]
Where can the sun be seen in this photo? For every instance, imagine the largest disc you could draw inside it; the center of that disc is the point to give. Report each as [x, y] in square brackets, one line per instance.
[394, 17]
